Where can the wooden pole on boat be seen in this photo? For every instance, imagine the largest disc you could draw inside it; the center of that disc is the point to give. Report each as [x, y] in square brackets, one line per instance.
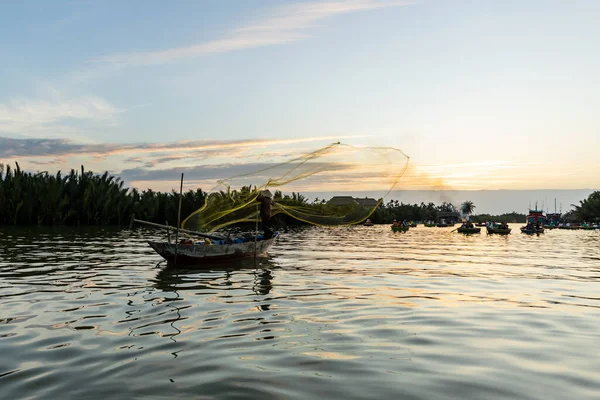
[178, 218]
[255, 235]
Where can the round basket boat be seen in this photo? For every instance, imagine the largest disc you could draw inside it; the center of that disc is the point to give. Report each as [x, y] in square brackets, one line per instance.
[532, 231]
[498, 231]
[469, 230]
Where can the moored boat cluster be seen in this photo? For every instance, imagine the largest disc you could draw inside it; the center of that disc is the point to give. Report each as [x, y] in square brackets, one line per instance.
[537, 222]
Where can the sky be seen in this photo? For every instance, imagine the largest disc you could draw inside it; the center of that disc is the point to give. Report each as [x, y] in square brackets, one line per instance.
[479, 94]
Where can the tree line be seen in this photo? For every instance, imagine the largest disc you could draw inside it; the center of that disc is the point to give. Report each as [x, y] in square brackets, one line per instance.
[395, 210]
[84, 198]
[588, 209]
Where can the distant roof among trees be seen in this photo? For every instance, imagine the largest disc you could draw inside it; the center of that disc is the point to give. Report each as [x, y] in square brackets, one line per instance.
[366, 202]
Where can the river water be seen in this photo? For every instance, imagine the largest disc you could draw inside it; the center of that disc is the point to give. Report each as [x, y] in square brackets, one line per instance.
[347, 313]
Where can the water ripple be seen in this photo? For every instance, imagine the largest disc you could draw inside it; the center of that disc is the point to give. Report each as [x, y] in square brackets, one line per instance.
[353, 313]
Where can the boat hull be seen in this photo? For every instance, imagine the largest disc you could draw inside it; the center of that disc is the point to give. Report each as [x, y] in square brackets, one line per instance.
[498, 231]
[531, 231]
[399, 228]
[198, 254]
[469, 230]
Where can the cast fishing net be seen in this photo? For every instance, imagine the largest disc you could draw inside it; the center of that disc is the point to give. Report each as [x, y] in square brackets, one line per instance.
[338, 169]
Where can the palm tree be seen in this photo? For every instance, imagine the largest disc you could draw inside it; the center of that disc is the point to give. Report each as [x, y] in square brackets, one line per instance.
[589, 209]
[467, 208]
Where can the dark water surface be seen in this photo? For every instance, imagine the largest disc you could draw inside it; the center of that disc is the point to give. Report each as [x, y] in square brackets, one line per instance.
[352, 313]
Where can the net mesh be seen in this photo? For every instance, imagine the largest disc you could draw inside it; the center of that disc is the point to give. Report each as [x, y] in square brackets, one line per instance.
[336, 168]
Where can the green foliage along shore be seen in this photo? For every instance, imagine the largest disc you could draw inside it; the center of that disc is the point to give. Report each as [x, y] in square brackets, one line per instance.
[394, 209]
[428, 212]
[508, 218]
[589, 209]
[85, 198]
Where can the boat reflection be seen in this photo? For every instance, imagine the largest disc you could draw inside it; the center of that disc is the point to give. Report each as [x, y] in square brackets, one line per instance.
[180, 283]
[171, 278]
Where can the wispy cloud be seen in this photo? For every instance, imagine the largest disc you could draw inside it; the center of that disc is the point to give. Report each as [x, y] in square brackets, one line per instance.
[329, 174]
[33, 117]
[286, 24]
[162, 152]
[154, 162]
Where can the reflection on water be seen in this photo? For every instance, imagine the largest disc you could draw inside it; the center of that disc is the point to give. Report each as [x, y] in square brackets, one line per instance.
[357, 312]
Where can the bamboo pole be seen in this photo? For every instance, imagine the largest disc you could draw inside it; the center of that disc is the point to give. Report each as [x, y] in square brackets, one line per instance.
[255, 235]
[178, 218]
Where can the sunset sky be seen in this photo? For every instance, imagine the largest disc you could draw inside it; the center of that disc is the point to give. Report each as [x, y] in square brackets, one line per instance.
[480, 94]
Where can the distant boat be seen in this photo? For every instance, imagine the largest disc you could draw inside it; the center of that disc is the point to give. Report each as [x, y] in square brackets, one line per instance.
[368, 223]
[531, 231]
[536, 216]
[400, 228]
[468, 230]
[553, 220]
[535, 222]
[480, 224]
[499, 231]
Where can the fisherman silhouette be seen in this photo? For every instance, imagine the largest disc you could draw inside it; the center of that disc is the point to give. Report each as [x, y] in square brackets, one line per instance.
[265, 212]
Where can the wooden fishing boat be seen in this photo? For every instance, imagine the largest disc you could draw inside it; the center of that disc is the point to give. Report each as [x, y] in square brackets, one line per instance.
[498, 231]
[208, 250]
[413, 225]
[204, 252]
[534, 218]
[468, 230]
[553, 219]
[400, 228]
